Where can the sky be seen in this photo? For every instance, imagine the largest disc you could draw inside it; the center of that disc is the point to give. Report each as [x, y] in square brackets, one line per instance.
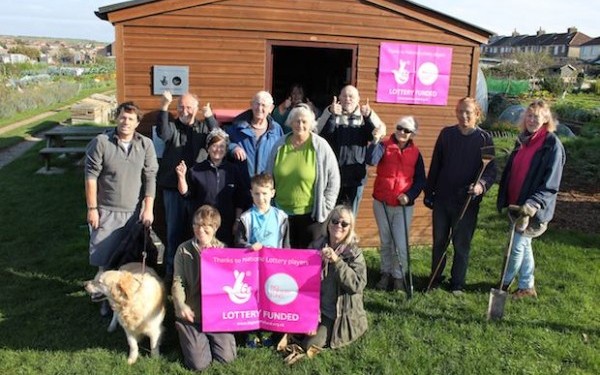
[76, 19]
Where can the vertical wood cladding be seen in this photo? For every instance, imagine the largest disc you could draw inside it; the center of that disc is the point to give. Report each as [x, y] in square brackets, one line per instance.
[224, 44]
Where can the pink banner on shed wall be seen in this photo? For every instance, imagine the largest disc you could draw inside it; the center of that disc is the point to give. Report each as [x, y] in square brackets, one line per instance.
[414, 73]
[272, 289]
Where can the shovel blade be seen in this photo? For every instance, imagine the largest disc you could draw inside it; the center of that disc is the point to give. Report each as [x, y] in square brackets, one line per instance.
[495, 309]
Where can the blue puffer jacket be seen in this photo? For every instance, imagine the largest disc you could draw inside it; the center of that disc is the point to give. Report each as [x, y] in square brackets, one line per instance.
[257, 152]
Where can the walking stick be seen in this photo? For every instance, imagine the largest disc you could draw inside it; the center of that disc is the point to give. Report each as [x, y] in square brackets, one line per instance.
[410, 281]
[387, 219]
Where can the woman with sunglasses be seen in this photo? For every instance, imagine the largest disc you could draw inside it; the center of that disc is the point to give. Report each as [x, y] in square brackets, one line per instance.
[400, 179]
[343, 280]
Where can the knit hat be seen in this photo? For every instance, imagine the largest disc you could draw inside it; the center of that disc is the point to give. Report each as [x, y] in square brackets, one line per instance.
[219, 133]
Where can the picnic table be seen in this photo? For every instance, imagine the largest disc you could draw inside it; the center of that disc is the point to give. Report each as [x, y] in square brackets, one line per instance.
[68, 140]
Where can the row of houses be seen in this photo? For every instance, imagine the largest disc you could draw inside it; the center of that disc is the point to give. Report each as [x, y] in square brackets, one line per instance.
[54, 52]
[561, 46]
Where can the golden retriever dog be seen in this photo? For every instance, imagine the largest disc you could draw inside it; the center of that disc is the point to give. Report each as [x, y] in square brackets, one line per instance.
[138, 302]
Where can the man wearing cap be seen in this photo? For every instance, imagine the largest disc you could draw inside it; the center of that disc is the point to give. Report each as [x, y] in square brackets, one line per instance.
[185, 139]
[348, 127]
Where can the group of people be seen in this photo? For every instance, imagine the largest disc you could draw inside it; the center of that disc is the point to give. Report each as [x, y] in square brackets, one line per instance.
[253, 185]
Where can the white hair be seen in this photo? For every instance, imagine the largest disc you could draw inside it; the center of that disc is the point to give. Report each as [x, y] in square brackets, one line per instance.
[263, 95]
[299, 110]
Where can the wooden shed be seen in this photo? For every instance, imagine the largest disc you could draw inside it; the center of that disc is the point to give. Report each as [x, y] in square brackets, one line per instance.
[234, 48]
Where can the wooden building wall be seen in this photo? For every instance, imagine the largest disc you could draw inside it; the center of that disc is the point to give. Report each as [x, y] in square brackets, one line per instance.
[224, 43]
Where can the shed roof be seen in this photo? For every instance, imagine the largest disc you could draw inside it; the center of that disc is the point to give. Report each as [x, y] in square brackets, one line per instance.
[413, 10]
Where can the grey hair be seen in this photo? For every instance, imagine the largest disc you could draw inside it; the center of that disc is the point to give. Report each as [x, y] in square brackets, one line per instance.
[408, 122]
[302, 109]
[263, 95]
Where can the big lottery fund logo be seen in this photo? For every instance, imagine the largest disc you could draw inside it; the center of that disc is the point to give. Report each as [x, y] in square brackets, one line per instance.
[240, 292]
[281, 289]
[428, 73]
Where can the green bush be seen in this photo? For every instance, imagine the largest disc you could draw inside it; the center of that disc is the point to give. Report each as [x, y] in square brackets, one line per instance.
[580, 107]
[595, 87]
[583, 159]
[554, 84]
[14, 100]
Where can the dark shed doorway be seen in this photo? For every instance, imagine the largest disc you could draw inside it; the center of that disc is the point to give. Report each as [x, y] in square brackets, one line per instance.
[321, 68]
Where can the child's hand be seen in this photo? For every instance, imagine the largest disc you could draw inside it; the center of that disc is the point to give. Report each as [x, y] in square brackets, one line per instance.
[256, 246]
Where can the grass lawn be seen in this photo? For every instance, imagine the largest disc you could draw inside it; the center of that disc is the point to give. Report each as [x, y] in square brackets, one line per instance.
[18, 135]
[84, 93]
[15, 136]
[49, 326]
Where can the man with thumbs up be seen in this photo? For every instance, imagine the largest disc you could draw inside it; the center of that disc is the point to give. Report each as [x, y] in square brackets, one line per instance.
[185, 139]
[349, 126]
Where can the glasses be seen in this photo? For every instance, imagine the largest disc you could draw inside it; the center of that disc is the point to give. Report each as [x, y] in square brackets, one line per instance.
[201, 225]
[340, 222]
[403, 130]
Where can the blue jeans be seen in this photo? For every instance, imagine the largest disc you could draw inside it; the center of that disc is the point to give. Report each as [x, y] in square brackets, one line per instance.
[521, 262]
[394, 259]
[176, 218]
[444, 217]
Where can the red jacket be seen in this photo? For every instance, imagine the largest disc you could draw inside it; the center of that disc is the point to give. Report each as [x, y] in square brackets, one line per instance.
[395, 172]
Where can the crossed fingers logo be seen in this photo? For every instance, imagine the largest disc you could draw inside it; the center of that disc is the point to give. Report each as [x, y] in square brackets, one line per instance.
[240, 292]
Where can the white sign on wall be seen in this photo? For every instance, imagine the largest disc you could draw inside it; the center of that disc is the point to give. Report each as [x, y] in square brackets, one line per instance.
[172, 78]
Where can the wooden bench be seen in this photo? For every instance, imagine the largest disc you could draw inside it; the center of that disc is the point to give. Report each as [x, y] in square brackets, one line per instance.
[84, 138]
[47, 153]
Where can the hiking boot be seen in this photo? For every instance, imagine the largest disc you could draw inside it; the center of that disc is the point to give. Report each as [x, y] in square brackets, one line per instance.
[524, 293]
[384, 282]
[398, 284]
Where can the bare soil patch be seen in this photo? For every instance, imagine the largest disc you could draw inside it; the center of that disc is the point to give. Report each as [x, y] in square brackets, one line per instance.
[578, 209]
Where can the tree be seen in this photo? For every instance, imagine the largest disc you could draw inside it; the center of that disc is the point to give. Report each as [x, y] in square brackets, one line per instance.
[532, 63]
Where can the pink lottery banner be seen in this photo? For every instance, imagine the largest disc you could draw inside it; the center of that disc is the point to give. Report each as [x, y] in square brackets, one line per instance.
[271, 289]
[413, 73]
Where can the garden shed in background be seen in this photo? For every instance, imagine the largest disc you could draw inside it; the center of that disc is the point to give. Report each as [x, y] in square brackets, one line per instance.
[234, 48]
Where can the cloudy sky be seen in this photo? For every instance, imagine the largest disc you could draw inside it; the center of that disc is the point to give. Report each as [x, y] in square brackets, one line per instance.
[76, 19]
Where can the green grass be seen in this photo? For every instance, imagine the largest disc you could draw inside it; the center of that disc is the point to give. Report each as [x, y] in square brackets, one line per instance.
[49, 326]
[84, 93]
[18, 135]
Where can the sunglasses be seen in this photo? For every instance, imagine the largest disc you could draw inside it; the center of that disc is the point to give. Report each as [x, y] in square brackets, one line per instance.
[340, 222]
[403, 130]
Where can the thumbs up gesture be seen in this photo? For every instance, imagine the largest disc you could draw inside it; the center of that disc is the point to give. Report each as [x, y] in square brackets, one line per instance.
[207, 111]
[365, 109]
[165, 100]
[336, 107]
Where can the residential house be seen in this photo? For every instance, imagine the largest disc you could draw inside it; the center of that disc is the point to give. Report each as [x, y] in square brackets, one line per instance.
[559, 46]
[590, 51]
